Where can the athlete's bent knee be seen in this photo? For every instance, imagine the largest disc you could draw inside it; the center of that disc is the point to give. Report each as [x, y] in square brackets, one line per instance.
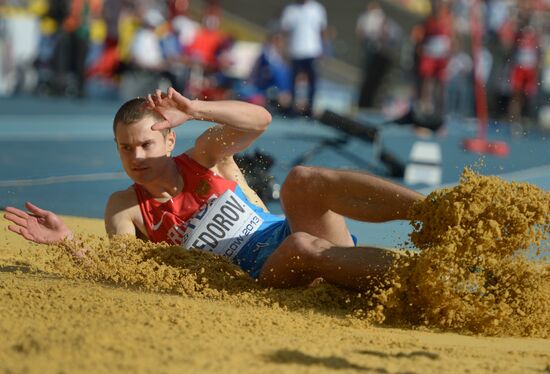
[299, 182]
[301, 249]
[296, 262]
[298, 177]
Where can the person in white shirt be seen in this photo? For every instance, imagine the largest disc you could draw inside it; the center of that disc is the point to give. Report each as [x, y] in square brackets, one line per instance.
[372, 28]
[305, 23]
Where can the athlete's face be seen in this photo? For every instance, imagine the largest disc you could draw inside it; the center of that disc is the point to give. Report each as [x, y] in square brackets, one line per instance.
[144, 152]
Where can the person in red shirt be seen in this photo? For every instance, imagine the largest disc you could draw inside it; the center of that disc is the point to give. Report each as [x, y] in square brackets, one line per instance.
[435, 52]
[200, 199]
[523, 72]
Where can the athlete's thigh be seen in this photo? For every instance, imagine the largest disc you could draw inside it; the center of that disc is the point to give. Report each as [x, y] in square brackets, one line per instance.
[306, 199]
[322, 224]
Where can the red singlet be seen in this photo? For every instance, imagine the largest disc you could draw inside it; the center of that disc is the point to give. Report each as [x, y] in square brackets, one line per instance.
[164, 221]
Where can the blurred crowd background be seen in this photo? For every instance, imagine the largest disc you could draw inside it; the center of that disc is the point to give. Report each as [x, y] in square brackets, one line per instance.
[392, 55]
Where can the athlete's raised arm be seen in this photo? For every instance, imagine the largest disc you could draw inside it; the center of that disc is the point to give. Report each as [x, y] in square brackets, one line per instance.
[241, 123]
[37, 225]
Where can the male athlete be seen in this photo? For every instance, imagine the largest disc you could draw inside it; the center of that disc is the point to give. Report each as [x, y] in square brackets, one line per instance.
[200, 199]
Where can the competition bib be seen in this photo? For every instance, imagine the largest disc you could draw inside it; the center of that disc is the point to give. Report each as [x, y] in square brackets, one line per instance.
[223, 226]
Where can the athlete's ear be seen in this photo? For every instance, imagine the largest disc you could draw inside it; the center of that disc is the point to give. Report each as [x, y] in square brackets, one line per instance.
[171, 140]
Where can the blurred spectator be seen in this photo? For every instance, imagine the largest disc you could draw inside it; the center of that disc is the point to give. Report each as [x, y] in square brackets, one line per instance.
[524, 72]
[155, 54]
[205, 46]
[501, 25]
[102, 71]
[177, 69]
[378, 35]
[369, 29]
[270, 80]
[208, 57]
[144, 63]
[72, 45]
[102, 61]
[305, 22]
[458, 90]
[46, 62]
[212, 9]
[497, 14]
[184, 28]
[177, 8]
[112, 10]
[146, 50]
[415, 41]
[435, 51]
[460, 10]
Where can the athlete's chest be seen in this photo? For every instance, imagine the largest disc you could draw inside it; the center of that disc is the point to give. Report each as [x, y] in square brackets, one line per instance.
[223, 224]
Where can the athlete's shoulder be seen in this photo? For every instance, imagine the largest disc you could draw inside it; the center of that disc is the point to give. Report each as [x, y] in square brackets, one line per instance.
[182, 156]
[122, 212]
[197, 155]
[123, 199]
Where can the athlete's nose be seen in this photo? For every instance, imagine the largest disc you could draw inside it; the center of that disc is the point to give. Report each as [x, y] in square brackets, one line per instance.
[139, 153]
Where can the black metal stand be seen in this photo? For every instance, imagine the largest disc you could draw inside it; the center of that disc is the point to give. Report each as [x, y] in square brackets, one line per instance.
[352, 128]
[336, 145]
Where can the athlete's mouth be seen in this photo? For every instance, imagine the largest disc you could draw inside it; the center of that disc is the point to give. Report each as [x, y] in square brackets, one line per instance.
[139, 168]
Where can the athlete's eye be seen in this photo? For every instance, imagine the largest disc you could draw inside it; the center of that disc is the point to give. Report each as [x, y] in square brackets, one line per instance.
[124, 147]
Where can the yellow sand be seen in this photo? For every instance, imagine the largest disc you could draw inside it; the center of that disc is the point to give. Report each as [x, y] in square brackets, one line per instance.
[133, 306]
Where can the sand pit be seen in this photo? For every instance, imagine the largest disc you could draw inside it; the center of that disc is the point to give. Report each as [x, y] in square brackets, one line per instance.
[134, 306]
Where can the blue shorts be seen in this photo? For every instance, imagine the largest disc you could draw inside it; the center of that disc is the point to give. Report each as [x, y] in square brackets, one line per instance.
[263, 243]
[256, 252]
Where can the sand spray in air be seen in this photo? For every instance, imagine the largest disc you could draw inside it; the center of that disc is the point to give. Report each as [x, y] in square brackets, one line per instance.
[470, 273]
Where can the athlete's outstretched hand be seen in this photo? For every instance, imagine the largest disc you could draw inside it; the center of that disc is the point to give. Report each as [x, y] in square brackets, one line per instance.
[37, 225]
[173, 106]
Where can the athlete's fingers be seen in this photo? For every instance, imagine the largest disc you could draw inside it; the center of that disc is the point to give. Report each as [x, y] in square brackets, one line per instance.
[179, 98]
[20, 231]
[159, 94]
[14, 229]
[27, 235]
[171, 92]
[161, 126]
[157, 98]
[17, 212]
[36, 210]
[24, 233]
[22, 222]
[150, 100]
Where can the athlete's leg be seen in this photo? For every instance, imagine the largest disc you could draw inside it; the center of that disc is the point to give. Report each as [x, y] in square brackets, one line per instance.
[316, 200]
[302, 258]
